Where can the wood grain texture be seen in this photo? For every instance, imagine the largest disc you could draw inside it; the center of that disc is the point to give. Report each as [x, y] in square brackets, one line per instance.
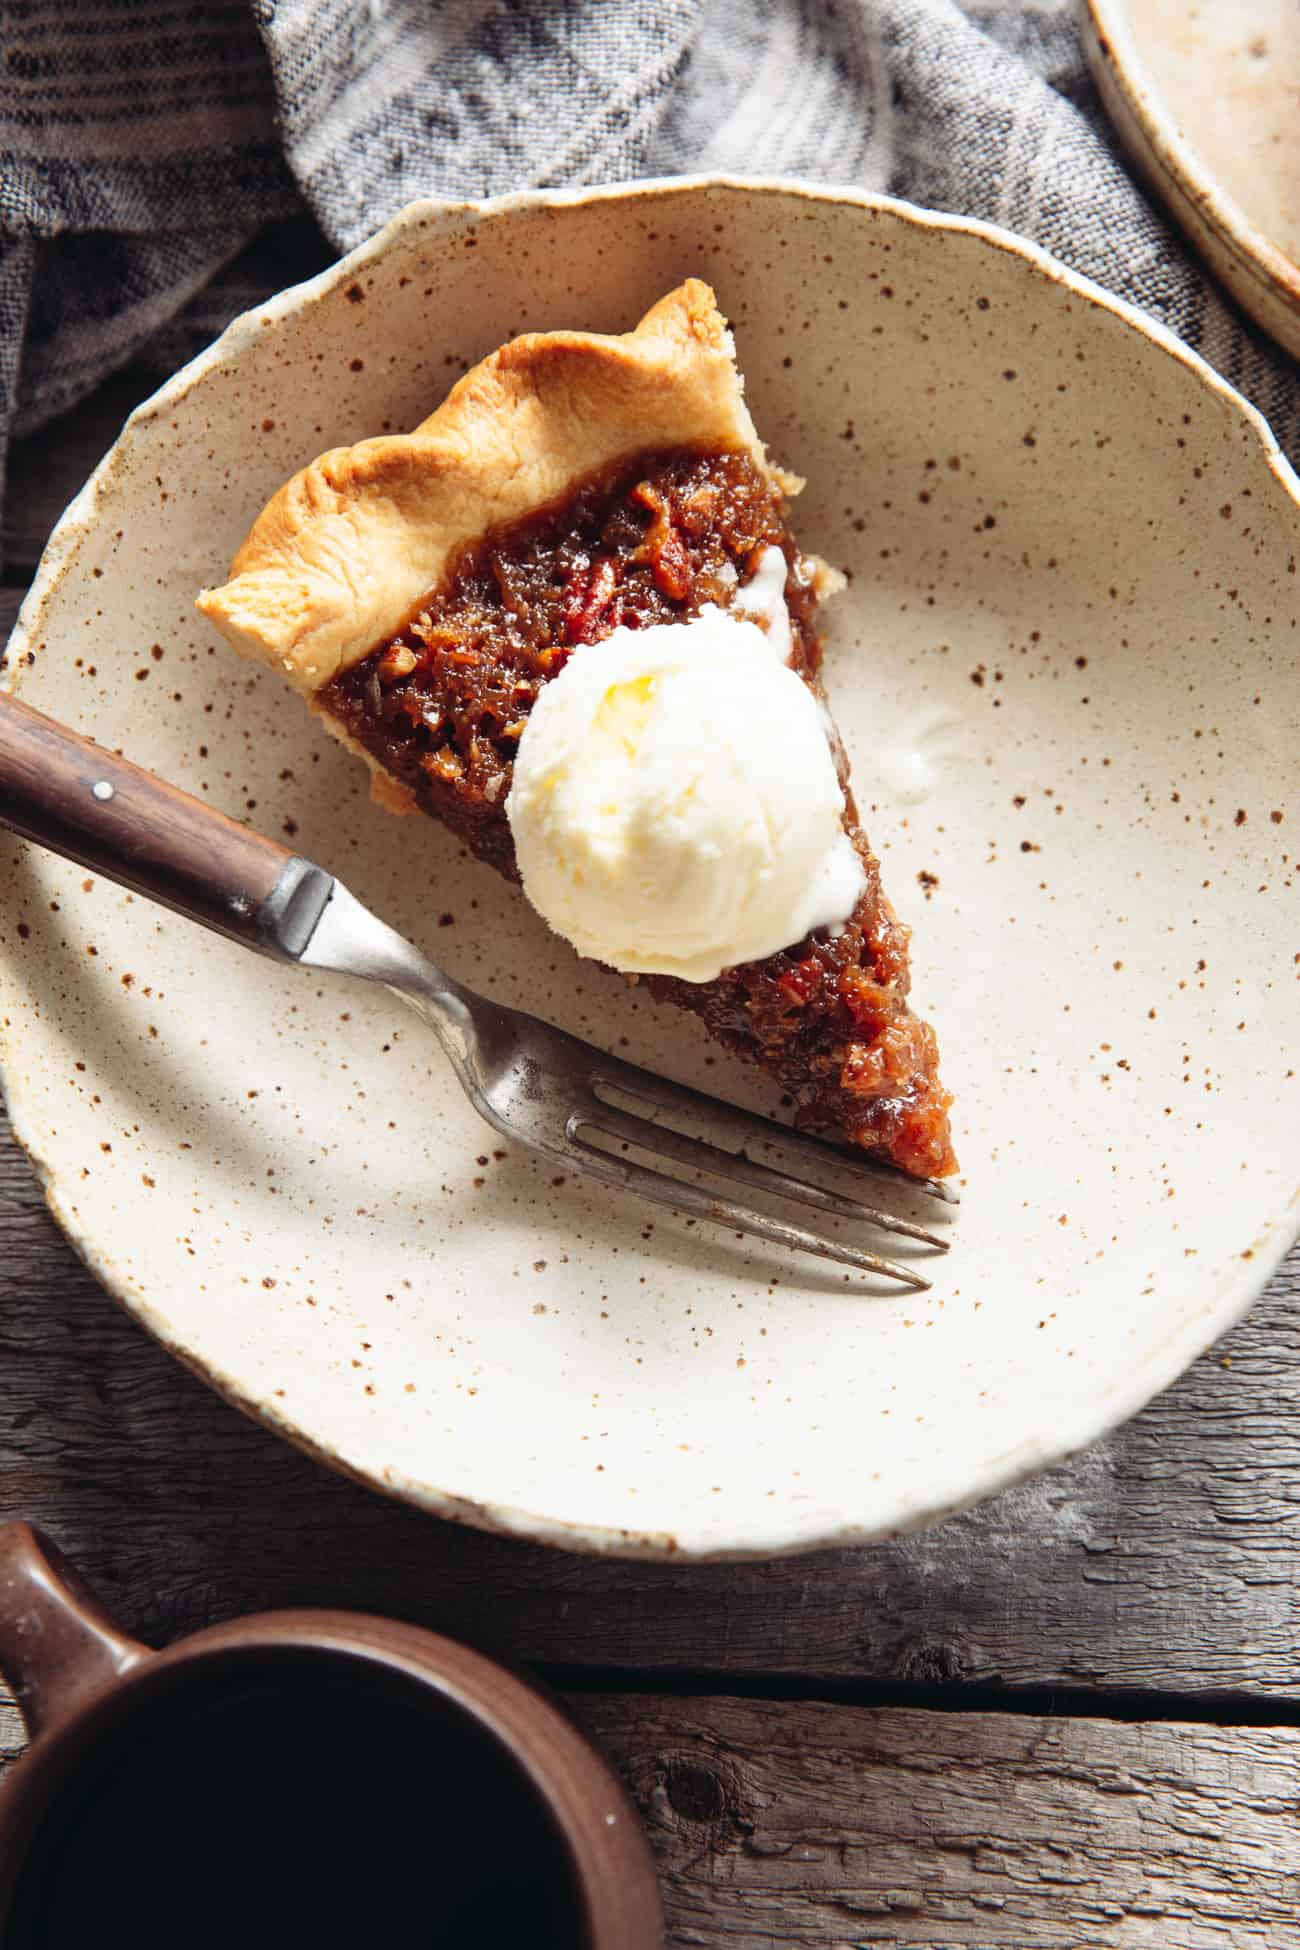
[818, 1827]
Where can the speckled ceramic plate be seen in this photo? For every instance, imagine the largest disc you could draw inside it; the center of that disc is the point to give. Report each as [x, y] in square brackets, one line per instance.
[1065, 668]
[1205, 95]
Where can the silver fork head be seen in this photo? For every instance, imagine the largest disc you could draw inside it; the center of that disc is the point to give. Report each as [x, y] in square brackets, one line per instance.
[541, 1087]
[561, 1096]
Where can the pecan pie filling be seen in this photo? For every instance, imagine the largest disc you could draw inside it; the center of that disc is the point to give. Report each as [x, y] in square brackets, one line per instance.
[442, 705]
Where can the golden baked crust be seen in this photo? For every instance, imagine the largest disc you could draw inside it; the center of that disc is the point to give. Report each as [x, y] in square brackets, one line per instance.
[340, 556]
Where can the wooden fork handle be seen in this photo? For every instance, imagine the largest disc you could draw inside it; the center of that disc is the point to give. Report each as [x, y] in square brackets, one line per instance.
[67, 793]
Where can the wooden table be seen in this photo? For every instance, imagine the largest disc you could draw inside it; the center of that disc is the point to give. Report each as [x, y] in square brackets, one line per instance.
[1069, 1718]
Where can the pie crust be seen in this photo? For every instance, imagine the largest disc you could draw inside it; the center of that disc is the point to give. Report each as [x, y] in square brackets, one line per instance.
[342, 554]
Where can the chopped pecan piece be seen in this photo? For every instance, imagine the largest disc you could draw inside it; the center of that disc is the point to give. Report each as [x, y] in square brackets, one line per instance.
[591, 606]
[400, 661]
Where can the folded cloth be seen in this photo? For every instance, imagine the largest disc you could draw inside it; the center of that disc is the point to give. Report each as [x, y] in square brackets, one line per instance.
[165, 163]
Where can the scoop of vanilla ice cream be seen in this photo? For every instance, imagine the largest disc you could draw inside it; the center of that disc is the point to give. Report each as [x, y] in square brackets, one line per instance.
[675, 806]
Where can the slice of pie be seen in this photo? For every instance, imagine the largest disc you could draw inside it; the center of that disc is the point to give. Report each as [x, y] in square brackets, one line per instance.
[421, 591]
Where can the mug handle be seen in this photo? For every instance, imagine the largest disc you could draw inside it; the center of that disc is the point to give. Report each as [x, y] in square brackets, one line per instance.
[58, 1646]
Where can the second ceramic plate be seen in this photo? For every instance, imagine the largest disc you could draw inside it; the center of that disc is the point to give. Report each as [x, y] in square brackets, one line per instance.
[1205, 95]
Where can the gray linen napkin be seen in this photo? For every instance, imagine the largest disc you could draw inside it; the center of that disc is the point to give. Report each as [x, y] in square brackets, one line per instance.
[165, 163]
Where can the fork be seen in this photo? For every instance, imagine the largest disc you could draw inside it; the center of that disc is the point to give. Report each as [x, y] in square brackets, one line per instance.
[533, 1083]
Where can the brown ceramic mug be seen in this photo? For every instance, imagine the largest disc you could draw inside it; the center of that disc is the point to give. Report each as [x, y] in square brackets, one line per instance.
[297, 1777]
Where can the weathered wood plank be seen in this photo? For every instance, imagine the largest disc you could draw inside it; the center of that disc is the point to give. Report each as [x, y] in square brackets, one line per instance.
[1165, 1559]
[815, 1826]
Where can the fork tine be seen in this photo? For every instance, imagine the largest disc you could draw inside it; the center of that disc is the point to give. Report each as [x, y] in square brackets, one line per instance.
[663, 1190]
[660, 1093]
[668, 1143]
